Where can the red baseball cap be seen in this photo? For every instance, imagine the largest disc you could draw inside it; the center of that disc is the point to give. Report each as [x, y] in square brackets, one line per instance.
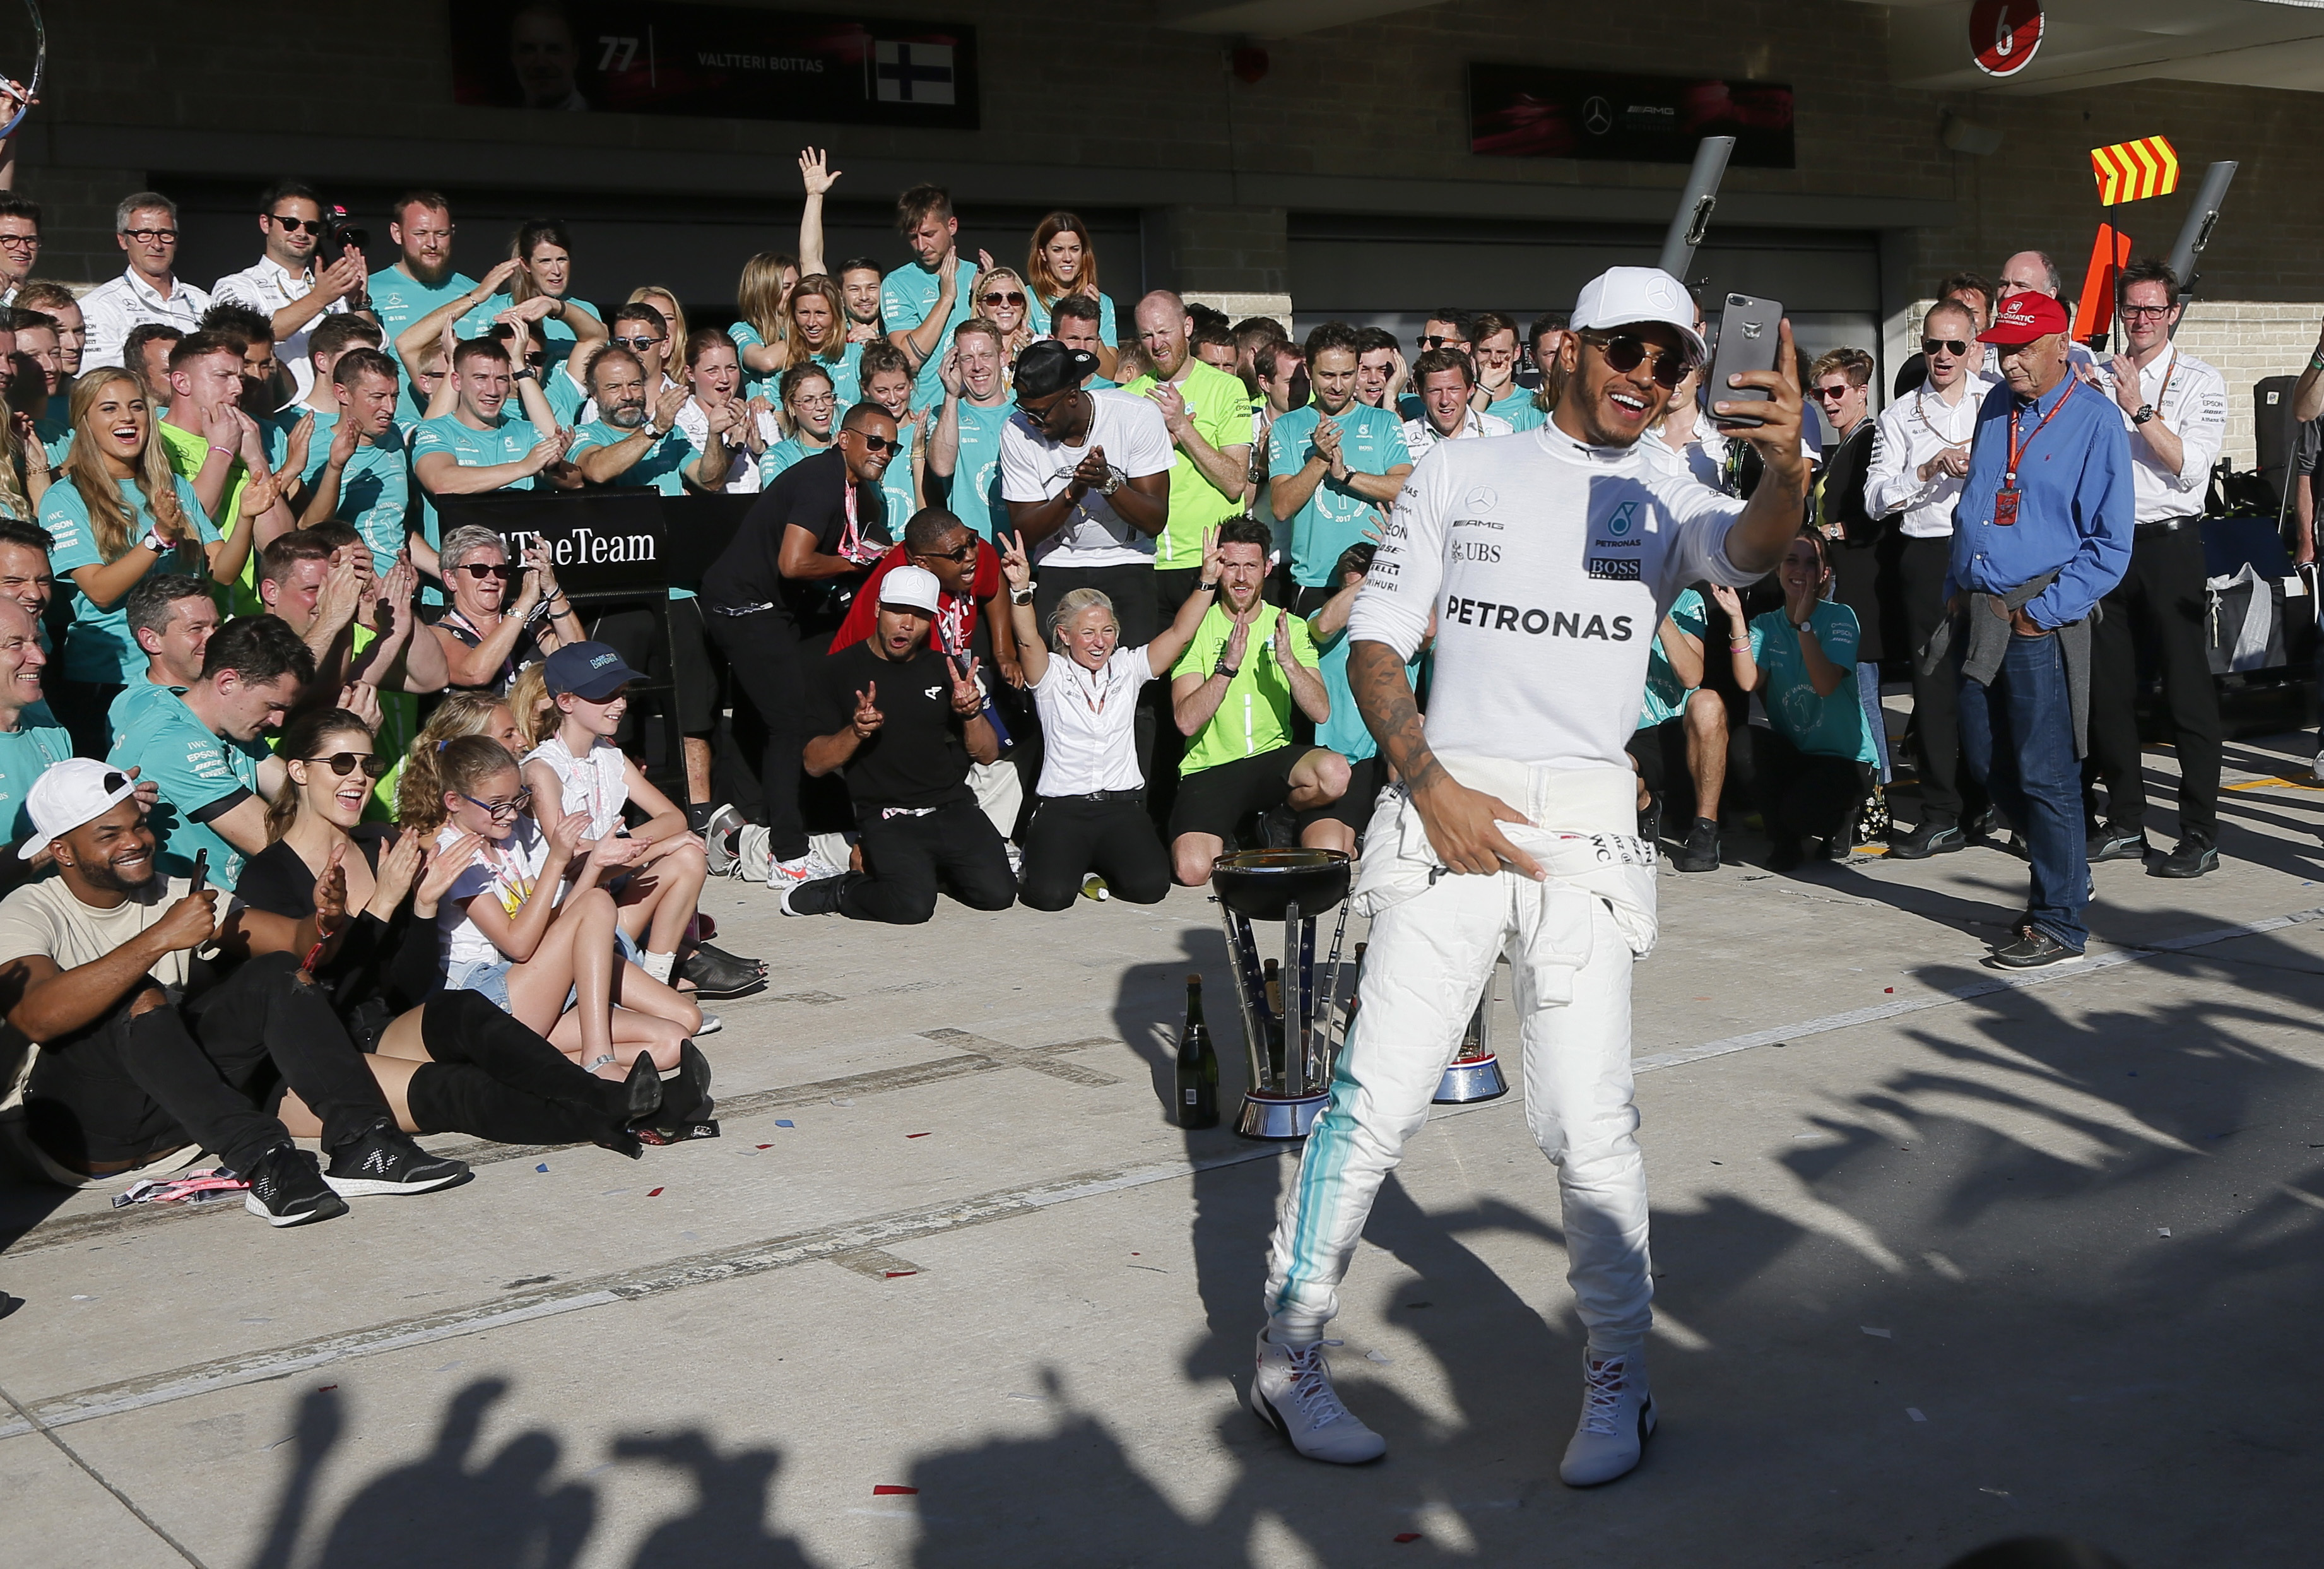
[2023, 317]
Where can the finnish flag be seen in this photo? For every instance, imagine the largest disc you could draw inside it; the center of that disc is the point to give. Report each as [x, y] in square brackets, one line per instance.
[913, 73]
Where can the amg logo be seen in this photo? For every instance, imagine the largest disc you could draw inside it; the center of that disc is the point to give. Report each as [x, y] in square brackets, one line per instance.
[1613, 568]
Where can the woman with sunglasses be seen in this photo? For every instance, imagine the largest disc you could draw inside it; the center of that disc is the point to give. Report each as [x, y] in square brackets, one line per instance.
[759, 326]
[1002, 299]
[527, 923]
[1862, 544]
[358, 900]
[816, 318]
[485, 644]
[1062, 261]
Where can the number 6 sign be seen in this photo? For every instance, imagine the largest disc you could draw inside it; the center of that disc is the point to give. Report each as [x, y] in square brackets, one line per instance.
[2004, 34]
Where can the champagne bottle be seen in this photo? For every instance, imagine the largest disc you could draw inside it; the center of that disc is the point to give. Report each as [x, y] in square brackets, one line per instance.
[1198, 1064]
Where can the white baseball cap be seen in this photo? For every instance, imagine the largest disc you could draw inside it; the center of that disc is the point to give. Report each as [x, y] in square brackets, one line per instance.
[1627, 295]
[79, 789]
[910, 588]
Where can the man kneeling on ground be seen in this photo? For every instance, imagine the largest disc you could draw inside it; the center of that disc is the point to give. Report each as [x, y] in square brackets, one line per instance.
[94, 966]
[1232, 692]
[901, 723]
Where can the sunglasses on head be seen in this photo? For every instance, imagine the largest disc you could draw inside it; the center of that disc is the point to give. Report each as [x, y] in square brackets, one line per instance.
[312, 226]
[344, 764]
[1625, 354]
[504, 811]
[1951, 345]
[477, 569]
[998, 298]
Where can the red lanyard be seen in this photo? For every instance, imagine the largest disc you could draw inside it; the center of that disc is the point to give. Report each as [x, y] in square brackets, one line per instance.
[2016, 452]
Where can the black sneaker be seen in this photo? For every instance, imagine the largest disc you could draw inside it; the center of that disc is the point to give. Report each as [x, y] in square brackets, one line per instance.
[718, 976]
[2113, 844]
[286, 1189]
[2033, 950]
[1930, 838]
[2192, 859]
[384, 1160]
[1984, 825]
[1650, 821]
[1700, 851]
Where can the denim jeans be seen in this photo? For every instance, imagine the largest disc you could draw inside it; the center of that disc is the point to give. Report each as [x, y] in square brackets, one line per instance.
[2018, 737]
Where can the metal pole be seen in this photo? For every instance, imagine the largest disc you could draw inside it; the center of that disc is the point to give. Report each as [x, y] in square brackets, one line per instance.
[1693, 216]
[2196, 231]
[1294, 1005]
[1254, 1040]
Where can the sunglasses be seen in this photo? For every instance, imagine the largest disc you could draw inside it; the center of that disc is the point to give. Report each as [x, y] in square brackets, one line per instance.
[1625, 354]
[1822, 393]
[1951, 345]
[478, 570]
[312, 226]
[505, 811]
[1433, 340]
[640, 344]
[965, 553]
[344, 764]
[998, 297]
[875, 443]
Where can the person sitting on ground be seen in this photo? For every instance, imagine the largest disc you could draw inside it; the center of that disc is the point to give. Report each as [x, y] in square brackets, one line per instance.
[1089, 818]
[1813, 761]
[485, 645]
[1681, 734]
[361, 900]
[512, 927]
[126, 1076]
[577, 767]
[1233, 693]
[201, 746]
[1339, 825]
[902, 722]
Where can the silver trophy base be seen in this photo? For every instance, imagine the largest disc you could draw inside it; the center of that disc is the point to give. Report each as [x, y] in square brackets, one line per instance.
[1477, 1080]
[1268, 1116]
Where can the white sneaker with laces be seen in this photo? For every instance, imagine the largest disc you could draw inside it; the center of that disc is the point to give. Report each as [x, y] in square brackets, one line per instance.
[1292, 1389]
[1618, 1413]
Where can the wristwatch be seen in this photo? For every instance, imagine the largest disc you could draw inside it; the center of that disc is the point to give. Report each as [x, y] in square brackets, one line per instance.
[1226, 669]
[155, 542]
[1112, 482]
[2146, 413]
[522, 372]
[1022, 596]
[1209, 587]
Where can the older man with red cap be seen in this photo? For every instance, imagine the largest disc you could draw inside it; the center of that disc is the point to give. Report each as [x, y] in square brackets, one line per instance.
[2041, 534]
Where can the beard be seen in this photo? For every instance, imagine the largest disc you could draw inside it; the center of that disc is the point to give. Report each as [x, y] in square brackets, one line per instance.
[626, 416]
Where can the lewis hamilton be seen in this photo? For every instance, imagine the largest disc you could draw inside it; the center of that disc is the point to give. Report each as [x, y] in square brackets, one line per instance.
[1548, 560]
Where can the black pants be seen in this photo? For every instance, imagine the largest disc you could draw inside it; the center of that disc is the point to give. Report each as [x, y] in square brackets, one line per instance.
[131, 1085]
[1071, 837]
[1803, 795]
[2158, 605]
[907, 859]
[769, 661]
[1947, 793]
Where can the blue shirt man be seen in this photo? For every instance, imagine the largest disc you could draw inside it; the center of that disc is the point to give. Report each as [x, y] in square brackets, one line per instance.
[918, 304]
[2049, 491]
[1334, 464]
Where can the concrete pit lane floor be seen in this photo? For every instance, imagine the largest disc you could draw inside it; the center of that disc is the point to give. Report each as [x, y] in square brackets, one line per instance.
[1941, 1255]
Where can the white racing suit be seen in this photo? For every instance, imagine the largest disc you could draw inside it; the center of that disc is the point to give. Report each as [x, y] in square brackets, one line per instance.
[1436, 938]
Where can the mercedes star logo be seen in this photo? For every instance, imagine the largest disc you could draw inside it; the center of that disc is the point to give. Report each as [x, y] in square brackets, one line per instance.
[1597, 116]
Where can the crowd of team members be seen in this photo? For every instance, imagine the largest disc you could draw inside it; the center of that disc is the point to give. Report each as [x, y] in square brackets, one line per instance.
[990, 522]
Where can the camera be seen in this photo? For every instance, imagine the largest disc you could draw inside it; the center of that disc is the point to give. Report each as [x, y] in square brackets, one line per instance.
[339, 234]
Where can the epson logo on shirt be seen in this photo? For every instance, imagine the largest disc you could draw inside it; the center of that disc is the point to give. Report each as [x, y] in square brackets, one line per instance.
[1491, 617]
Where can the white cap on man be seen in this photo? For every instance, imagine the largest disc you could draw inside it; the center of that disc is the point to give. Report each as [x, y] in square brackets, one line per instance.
[910, 588]
[1627, 296]
[67, 794]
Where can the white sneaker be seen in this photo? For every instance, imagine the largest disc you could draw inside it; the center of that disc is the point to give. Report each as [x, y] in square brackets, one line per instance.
[721, 838]
[2317, 768]
[1016, 860]
[711, 1024]
[1293, 1391]
[1618, 1413]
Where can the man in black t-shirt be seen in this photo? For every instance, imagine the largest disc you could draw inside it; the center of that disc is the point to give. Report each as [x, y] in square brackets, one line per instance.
[780, 589]
[903, 721]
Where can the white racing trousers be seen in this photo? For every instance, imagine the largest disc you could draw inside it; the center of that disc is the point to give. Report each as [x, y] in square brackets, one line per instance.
[1571, 943]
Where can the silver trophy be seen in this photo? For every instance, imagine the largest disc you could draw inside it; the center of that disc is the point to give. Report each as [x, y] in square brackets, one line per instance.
[1475, 1073]
[1288, 1020]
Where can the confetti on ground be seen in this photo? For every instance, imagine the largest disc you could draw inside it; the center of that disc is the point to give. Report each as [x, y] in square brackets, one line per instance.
[1407, 1536]
[1382, 1358]
[327, 1388]
[899, 1274]
[1882, 1333]
[785, 1123]
[78, 1299]
[837, 1102]
[916, 1135]
[766, 1146]
[653, 1193]
[542, 1167]
[1914, 1413]
[1888, 989]
[2162, 1230]
[889, 1489]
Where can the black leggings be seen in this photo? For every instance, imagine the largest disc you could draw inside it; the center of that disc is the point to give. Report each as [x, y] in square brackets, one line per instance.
[1805, 795]
[1073, 836]
[770, 660]
[132, 1084]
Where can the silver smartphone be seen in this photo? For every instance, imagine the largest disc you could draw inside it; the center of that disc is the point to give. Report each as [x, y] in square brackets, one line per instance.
[1749, 337]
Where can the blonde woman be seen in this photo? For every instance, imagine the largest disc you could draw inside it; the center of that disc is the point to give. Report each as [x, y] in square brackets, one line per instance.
[119, 515]
[759, 330]
[815, 323]
[1062, 260]
[1002, 299]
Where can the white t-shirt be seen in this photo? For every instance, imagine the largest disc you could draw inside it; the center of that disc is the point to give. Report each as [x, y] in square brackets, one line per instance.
[594, 783]
[1034, 468]
[742, 474]
[1419, 435]
[506, 869]
[45, 917]
[1550, 563]
[1087, 720]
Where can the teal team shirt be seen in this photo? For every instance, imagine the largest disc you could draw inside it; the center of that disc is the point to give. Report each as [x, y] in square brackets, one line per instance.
[1371, 441]
[131, 701]
[1345, 731]
[1830, 727]
[25, 753]
[201, 776]
[896, 491]
[906, 295]
[98, 648]
[507, 442]
[374, 488]
[1518, 410]
[975, 497]
[1037, 316]
[754, 385]
[846, 374]
[660, 466]
[1665, 696]
[556, 339]
[56, 438]
[398, 299]
[566, 396]
[783, 454]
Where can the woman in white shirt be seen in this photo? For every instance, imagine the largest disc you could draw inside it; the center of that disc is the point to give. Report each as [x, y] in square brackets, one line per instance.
[1089, 819]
